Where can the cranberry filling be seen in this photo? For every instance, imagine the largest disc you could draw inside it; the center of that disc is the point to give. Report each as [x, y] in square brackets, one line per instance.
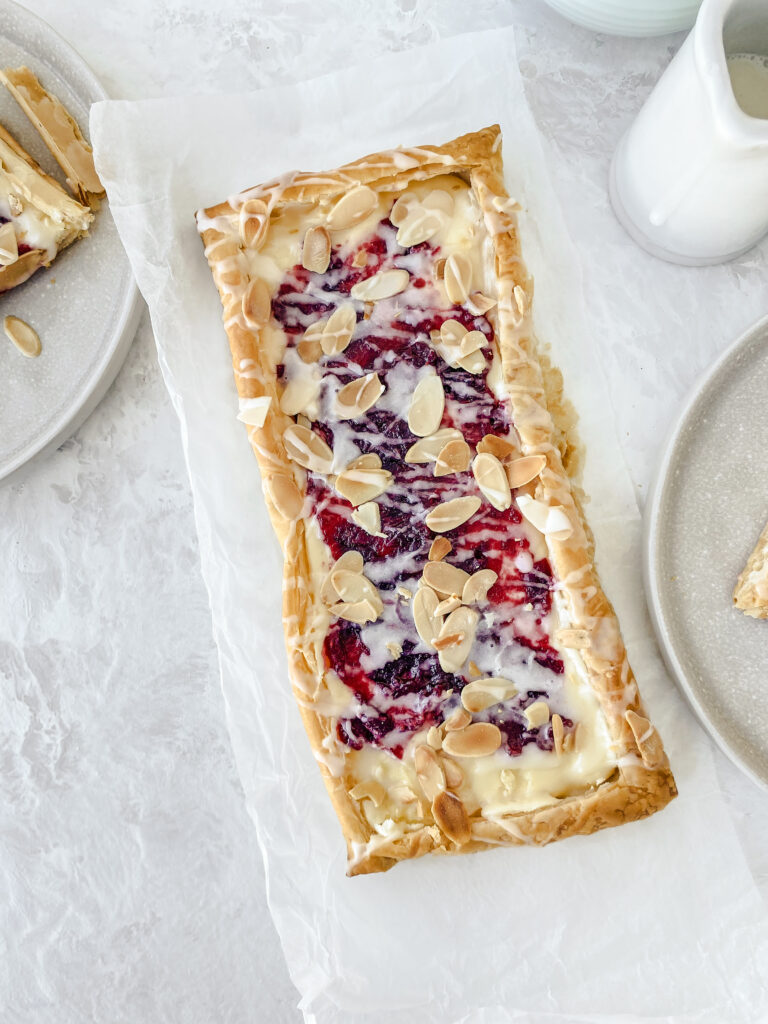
[411, 691]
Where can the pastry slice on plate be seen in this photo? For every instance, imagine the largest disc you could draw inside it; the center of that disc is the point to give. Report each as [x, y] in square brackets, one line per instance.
[459, 669]
[751, 592]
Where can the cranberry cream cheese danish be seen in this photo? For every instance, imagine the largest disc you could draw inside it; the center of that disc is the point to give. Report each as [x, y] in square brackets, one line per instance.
[459, 670]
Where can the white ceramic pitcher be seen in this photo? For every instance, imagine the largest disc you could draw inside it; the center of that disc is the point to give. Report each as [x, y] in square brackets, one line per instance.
[689, 180]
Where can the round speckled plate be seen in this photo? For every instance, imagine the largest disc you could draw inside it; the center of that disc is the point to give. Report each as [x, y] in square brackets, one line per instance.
[85, 306]
[705, 513]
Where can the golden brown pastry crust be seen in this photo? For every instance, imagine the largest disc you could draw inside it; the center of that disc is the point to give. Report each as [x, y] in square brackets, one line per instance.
[642, 782]
[750, 594]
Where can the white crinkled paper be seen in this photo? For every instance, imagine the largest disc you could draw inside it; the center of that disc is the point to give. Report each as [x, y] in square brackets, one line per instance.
[656, 919]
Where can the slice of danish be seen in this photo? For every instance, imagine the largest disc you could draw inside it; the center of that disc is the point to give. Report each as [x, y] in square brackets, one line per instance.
[460, 671]
[37, 216]
[751, 592]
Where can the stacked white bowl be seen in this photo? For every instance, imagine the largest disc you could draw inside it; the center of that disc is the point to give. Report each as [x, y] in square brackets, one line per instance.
[630, 17]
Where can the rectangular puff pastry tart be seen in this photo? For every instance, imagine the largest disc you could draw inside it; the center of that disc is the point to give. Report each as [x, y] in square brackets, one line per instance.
[459, 670]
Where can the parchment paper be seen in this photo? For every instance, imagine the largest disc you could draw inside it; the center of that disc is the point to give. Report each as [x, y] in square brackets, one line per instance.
[658, 919]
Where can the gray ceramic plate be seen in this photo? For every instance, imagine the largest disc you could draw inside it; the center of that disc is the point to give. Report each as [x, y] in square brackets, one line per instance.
[85, 306]
[706, 511]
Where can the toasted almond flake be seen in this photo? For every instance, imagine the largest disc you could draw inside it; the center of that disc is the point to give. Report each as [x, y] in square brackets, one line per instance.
[254, 223]
[257, 303]
[577, 639]
[473, 669]
[23, 336]
[405, 593]
[394, 648]
[310, 348]
[298, 394]
[439, 548]
[402, 795]
[504, 204]
[369, 790]
[383, 285]
[454, 776]
[253, 411]
[558, 733]
[307, 449]
[420, 225]
[9, 248]
[316, 251]
[427, 449]
[450, 640]
[353, 207]
[452, 818]
[537, 714]
[485, 692]
[427, 623]
[368, 517]
[304, 421]
[477, 586]
[429, 771]
[478, 740]
[452, 332]
[285, 496]
[450, 604]
[368, 461]
[360, 484]
[15, 205]
[360, 259]
[360, 612]
[399, 211]
[464, 623]
[434, 738]
[338, 330]
[473, 363]
[458, 719]
[358, 396]
[521, 471]
[439, 269]
[448, 515]
[350, 561]
[551, 520]
[427, 404]
[454, 457]
[353, 588]
[501, 447]
[479, 304]
[647, 739]
[492, 480]
[472, 341]
[445, 579]
[458, 277]
[570, 739]
[521, 300]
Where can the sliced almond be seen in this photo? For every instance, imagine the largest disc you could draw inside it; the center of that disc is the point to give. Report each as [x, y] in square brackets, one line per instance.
[369, 790]
[434, 738]
[492, 480]
[454, 457]
[647, 739]
[360, 612]
[427, 405]
[350, 561]
[478, 740]
[399, 212]
[479, 304]
[458, 719]
[353, 207]
[298, 394]
[424, 606]
[368, 461]
[551, 520]
[360, 259]
[25, 338]
[521, 471]
[439, 269]
[464, 623]
[15, 205]
[316, 251]
[474, 670]
[368, 517]
[420, 225]
[450, 604]
[285, 495]
[353, 587]
[442, 643]
[307, 449]
[309, 347]
[254, 223]
[445, 579]
[473, 363]
[429, 771]
[477, 586]
[537, 714]
[521, 300]
[452, 333]
[558, 733]
[484, 693]
[383, 285]
[427, 449]
[257, 303]
[9, 248]
[454, 776]
[360, 485]
[402, 795]
[358, 396]
[501, 447]
[458, 277]
[338, 330]
[448, 515]
[405, 593]
[439, 548]
[451, 817]
[253, 411]
[576, 639]
[394, 648]
[472, 342]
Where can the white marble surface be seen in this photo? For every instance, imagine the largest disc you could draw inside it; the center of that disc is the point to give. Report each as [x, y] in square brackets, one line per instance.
[132, 886]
